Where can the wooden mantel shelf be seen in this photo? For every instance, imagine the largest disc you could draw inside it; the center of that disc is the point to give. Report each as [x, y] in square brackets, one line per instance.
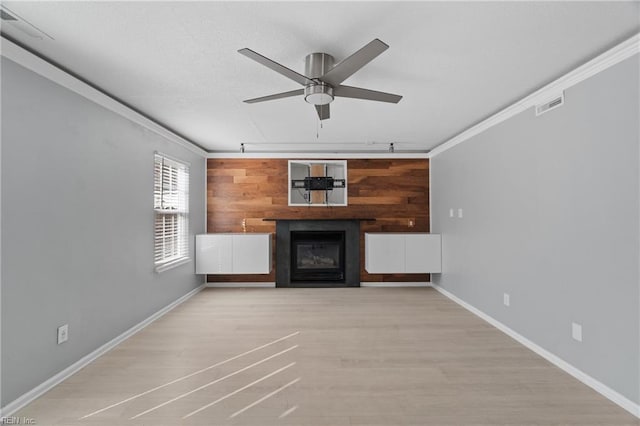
[367, 219]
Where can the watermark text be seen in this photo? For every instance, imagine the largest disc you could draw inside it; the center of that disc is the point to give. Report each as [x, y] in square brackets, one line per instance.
[15, 420]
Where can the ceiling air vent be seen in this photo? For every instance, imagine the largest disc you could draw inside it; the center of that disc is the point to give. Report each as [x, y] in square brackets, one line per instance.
[5, 16]
[16, 21]
[555, 102]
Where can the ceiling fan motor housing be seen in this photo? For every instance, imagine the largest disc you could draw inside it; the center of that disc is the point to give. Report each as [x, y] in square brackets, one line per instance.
[315, 66]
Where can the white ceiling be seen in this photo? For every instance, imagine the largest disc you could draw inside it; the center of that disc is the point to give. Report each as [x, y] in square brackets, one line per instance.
[455, 63]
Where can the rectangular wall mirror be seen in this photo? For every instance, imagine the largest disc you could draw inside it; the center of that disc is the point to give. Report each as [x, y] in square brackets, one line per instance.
[317, 182]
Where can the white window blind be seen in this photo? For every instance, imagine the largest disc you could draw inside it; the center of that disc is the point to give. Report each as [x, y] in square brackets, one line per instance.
[171, 206]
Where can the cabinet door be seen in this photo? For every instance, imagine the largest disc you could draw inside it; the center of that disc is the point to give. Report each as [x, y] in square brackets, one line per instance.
[384, 253]
[213, 254]
[422, 253]
[252, 254]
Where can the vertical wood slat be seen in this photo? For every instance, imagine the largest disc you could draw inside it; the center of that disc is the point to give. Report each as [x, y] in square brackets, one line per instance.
[241, 192]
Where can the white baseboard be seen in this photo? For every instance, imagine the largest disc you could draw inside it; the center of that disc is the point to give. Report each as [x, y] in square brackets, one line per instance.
[34, 393]
[596, 385]
[273, 284]
[242, 285]
[394, 284]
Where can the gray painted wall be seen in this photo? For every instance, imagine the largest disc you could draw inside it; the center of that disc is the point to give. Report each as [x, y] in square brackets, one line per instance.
[77, 227]
[550, 216]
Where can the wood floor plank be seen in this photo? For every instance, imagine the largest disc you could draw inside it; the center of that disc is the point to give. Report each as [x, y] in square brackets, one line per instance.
[353, 356]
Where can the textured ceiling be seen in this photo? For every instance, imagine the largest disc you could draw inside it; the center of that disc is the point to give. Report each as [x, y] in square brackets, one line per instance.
[455, 63]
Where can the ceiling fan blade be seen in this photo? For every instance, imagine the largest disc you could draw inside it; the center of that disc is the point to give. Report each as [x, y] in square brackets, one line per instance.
[280, 69]
[370, 95]
[276, 96]
[344, 69]
[323, 111]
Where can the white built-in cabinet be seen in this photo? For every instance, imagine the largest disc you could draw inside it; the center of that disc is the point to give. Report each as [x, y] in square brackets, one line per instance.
[410, 253]
[233, 254]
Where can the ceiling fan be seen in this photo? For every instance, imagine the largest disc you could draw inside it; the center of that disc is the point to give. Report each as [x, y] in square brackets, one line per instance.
[322, 78]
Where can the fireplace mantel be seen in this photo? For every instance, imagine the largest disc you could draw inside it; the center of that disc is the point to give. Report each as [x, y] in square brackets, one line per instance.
[359, 219]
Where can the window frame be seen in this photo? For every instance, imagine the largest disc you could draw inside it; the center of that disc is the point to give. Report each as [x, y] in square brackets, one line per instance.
[167, 204]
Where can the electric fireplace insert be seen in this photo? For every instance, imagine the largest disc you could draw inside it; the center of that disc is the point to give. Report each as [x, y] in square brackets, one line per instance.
[317, 256]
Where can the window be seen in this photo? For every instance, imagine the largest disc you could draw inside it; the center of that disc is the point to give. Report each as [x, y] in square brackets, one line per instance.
[171, 207]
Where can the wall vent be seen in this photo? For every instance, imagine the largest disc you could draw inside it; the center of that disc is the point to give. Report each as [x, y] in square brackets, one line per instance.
[553, 103]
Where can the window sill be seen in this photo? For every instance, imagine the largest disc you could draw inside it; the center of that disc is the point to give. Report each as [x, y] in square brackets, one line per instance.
[172, 264]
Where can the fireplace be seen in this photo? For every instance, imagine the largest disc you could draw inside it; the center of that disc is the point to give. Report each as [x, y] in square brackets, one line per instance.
[317, 252]
[317, 256]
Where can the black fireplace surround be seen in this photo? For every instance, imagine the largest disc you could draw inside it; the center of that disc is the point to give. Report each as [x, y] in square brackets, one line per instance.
[317, 253]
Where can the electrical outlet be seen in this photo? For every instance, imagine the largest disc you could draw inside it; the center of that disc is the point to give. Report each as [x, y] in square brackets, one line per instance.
[460, 213]
[506, 299]
[450, 212]
[63, 333]
[576, 331]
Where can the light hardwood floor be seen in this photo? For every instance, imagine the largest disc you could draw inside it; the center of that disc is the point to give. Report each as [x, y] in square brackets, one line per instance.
[331, 357]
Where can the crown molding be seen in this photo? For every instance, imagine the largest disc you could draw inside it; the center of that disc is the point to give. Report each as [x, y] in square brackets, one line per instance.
[32, 62]
[611, 57]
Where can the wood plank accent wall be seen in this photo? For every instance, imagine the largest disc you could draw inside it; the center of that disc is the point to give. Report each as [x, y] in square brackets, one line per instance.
[241, 192]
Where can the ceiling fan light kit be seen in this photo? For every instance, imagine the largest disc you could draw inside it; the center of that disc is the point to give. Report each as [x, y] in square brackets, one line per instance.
[323, 77]
[318, 94]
